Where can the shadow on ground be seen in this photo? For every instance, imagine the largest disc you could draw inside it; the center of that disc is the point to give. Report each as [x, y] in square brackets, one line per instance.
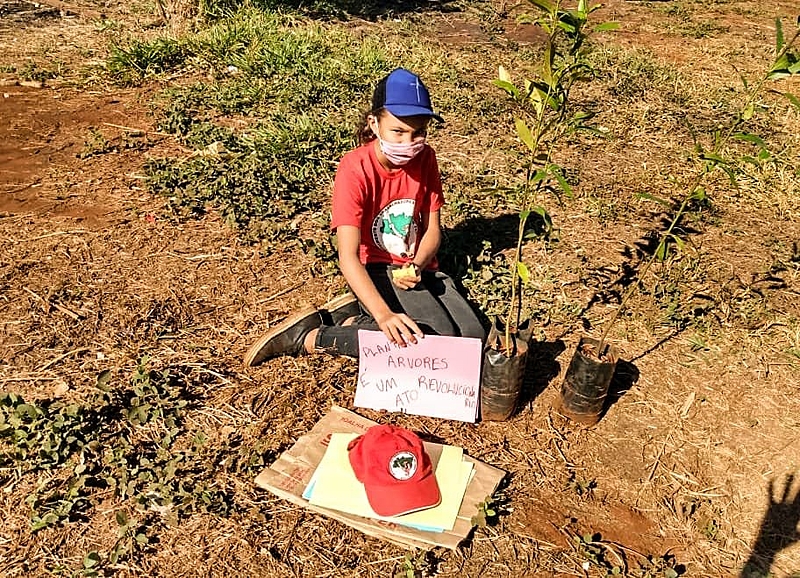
[778, 530]
[369, 9]
[626, 374]
[542, 368]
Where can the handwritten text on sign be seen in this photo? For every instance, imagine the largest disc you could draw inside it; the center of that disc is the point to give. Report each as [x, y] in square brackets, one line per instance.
[438, 376]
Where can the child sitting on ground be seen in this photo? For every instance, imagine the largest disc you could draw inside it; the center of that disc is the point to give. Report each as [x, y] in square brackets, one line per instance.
[385, 211]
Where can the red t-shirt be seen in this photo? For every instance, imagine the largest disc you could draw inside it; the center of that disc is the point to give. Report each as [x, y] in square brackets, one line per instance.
[386, 206]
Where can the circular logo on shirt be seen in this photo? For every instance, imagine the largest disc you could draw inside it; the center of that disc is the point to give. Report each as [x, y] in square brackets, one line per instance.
[403, 465]
[394, 229]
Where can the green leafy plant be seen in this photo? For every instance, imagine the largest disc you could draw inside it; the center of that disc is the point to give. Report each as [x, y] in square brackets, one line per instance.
[487, 512]
[122, 440]
[415, 564]
[595, 551]
[95, 144]
[581, 486]
[545, 116]
[37, 72]
[287, 81]
[710, 160]
[138, 60]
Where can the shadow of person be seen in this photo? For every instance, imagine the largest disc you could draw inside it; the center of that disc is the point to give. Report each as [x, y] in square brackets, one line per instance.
[541, 368]
[626, 374]
[778, 528]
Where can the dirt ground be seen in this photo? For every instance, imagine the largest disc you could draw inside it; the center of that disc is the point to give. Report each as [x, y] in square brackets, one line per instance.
[93, 276]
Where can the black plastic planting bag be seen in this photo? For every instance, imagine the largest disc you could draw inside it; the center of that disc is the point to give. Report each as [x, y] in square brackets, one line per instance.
[585, 386]
[503, 372]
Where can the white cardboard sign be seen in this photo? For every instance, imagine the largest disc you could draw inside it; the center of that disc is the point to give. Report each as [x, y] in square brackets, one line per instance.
[438, 376]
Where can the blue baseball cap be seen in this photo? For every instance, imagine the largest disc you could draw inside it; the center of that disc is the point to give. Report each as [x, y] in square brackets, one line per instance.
[403, 94]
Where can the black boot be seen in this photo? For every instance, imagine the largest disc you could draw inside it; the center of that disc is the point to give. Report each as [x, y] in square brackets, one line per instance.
[285, 339]
[339, 309]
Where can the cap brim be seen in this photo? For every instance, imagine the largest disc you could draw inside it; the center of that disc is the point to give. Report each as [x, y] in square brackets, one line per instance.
[401, 110]
[404, 498]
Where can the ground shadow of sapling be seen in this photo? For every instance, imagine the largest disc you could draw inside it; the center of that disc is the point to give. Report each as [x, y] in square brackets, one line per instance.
[542, 367]
[626, 374]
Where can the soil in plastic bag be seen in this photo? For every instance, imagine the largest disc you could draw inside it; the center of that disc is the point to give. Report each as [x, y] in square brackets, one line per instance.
[585, 386]
[503, 373]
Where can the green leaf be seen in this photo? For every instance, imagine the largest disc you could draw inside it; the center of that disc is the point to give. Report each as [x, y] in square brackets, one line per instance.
[91, 559]
[102, 380]
[606, 26]
[659, 200]
[678, 242]
[547, 64]
[781, 64]
[748, 137]
[749, 111]
[524, 275]
[778, 75]
[699, 194]
[670, 573]
[524, 134]
[567, 27]
[713, 158]
[507, 86]
[540, 211]
[662, 250]
[555, 170]
[779, 41]
[122, 517]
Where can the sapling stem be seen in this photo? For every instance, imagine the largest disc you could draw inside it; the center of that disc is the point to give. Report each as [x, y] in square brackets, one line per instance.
[539, 128]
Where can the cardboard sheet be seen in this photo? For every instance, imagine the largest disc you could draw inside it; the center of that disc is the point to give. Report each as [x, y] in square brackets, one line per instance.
[292, 471]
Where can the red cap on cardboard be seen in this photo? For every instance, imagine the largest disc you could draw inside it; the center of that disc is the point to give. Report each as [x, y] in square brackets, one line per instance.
[396, 471]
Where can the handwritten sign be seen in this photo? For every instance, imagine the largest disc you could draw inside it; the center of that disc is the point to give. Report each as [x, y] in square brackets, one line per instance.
[438, 376]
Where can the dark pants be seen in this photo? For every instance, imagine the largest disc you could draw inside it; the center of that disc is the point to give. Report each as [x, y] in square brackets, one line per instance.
[434, 304]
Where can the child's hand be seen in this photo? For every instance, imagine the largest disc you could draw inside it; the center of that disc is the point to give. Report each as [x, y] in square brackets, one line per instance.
[406, 277]
[400, 329]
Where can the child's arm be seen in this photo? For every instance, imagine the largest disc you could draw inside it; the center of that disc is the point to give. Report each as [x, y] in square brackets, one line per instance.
[398, 327]
[430, 240]
[428, 245]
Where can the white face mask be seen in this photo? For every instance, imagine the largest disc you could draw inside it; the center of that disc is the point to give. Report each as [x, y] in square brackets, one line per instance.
[400, 154]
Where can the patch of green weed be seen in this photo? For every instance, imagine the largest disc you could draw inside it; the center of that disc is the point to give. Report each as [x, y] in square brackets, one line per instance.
[125, 441]
[139, 59]
[633, 73]
[261, 180]
[37, 72]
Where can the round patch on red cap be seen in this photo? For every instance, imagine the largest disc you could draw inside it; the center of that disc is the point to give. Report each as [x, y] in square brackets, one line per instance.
[403, 465]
